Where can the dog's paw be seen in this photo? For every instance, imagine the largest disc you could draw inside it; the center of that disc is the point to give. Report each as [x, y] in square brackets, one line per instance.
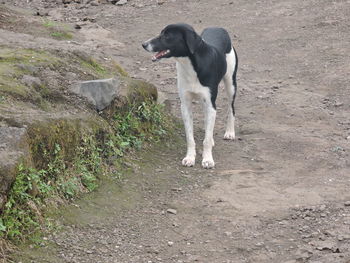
[188, 161]
[208, 163]
[229, 136]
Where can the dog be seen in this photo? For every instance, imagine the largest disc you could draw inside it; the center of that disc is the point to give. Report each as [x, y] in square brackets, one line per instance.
[202, 62]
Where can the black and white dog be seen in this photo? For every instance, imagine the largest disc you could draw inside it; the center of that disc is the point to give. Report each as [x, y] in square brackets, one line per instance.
[202, 62]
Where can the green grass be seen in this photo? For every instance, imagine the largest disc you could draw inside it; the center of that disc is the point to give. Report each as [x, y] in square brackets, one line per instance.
[49, 23]
[91, 65]
[11, 74]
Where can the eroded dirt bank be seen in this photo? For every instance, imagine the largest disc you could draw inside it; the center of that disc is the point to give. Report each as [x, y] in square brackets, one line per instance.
[277, 194]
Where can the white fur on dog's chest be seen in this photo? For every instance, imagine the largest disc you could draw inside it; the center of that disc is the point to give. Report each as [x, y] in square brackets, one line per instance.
[187, 78]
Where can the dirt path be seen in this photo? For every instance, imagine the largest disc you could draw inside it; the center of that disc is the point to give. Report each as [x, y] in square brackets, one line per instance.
[278, 193]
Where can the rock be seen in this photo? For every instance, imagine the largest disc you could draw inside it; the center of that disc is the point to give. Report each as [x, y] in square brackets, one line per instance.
[338, 104]
[170, 243]
[322, 207]
[95, 3]
[327, 245]
[171, 211]
[31, 81]
[121, 2]
[347, 203]
[99, 92]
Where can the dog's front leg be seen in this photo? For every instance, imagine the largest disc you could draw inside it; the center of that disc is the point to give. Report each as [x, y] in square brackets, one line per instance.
[208, 143]
[186, 111]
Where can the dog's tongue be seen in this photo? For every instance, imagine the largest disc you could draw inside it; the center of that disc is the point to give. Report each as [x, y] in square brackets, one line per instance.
[158, 55]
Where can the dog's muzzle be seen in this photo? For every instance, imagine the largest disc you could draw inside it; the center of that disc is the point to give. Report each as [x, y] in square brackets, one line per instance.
[147, 46]
[150, 48]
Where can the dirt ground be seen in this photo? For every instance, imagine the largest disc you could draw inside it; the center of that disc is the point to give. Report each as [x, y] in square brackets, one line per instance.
[279, 193]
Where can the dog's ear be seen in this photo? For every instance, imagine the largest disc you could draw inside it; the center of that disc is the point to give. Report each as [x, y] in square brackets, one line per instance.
[192, 40]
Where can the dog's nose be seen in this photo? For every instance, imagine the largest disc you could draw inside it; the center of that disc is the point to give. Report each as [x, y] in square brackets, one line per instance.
[144, 45]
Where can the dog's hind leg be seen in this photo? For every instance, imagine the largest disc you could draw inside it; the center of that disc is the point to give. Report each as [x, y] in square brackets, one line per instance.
[186, 111]
[231, 90]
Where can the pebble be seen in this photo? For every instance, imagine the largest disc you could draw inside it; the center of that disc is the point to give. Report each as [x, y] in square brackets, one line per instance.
[170, 243]
[171, 211]
[94, 3]
[122, 2]
[228, 233]
[322, 207]
[347, 203]
[175, 189]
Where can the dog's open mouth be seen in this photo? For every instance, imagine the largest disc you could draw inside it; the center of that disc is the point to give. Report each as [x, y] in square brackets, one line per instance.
[160, 55]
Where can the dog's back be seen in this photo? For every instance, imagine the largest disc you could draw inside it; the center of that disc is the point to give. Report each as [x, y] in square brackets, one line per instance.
[217, 37]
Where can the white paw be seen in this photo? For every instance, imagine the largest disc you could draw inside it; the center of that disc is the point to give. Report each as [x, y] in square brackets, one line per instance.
[229, 136]
[208, 163]
[188, 161]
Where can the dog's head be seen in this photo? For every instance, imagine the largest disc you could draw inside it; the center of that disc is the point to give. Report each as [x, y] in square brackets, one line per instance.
[175, 40]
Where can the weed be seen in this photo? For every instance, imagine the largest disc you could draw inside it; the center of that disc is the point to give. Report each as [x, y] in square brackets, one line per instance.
[20, 215]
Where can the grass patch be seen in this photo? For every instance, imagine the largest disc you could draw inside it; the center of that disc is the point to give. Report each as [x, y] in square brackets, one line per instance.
[57, 31]
[61, 35]
[64, 171]
[11, 73]
[49, 23]
[93, 66]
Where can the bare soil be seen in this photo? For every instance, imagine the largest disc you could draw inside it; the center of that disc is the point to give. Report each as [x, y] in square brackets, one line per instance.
[277, 194]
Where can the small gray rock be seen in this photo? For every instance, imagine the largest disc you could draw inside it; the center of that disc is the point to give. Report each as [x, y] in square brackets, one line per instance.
[99, 92]
[121, 2]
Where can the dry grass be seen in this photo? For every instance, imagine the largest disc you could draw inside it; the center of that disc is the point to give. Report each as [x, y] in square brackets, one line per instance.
[5, 249]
